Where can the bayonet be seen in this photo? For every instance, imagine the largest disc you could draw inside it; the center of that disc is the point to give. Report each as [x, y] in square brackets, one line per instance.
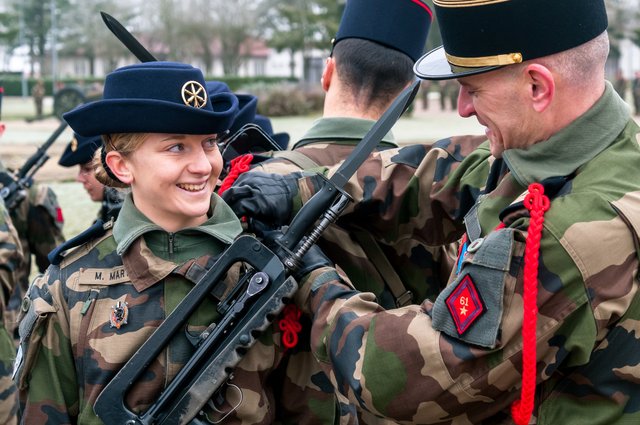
[126, 38]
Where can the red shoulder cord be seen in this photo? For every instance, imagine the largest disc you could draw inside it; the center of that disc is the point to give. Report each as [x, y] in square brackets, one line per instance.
[239, 165]
[537, 203]
[290, 326]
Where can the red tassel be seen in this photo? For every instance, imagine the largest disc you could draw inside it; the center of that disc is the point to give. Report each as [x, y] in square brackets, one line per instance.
[290, 326]
[239, 165]
[537, 204]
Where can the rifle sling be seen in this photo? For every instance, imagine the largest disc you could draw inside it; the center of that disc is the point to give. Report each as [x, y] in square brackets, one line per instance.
[380, 261]
[298, 158]
[369, 245]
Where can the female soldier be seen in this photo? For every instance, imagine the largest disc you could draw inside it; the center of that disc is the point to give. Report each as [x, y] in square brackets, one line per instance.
[98, 303]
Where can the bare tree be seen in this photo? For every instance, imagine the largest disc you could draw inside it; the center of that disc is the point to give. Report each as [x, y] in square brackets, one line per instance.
[298, 25]
[84, 34]
[233, 24]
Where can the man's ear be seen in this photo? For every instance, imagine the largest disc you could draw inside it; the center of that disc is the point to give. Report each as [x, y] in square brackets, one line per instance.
[119, 166]
[541, 86]
[327, 73]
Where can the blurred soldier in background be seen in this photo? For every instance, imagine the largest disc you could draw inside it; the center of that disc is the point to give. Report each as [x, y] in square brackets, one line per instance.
[38, 220]
[38, 92]
[11, 260]
[80, 152]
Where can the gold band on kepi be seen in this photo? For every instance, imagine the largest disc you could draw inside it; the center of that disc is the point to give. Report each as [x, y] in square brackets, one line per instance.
[482, 35]
[496, 60]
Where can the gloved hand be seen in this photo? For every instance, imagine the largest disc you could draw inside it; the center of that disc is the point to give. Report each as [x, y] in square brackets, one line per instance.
[312, 260]
[264, 196]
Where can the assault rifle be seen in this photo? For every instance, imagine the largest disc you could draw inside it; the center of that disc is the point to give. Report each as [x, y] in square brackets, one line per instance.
[15, 186]
[256, 299]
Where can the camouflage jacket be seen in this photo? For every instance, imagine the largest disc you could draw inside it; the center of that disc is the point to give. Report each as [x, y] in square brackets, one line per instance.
[72, 348]
[426, 363]
[39, 221]
[10, 260]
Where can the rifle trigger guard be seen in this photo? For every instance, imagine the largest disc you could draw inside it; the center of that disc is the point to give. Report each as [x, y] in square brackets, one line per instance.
[233, 409]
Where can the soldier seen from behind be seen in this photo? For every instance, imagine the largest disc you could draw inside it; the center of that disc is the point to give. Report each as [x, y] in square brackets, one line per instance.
[100, 301]
[539, 322]
[80, 151]
[371, 62]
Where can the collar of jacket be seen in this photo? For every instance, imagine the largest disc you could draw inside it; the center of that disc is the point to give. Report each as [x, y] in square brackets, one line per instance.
[222, 225]
[342, 130]
[573, 146]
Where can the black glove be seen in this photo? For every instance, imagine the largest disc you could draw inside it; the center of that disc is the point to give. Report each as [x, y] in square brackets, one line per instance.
[313, 259]
[264, 196]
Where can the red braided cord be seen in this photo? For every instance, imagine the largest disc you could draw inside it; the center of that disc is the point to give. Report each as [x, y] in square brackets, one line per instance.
[537, 203]
[290, 325]
[239, 165]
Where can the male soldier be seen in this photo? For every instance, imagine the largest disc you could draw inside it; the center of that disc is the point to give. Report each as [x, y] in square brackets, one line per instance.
[80, 152]
[38, 220]
[554, 237]
[371, 62]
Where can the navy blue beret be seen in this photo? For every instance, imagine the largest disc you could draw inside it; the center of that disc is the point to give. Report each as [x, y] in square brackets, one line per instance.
[481, 36]
[402, 25]
[282, 139]
[247, 113]
[80, 150]
[155, 97]
[247, 104]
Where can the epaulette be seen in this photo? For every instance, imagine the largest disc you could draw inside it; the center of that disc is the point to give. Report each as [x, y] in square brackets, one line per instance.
[96, 230]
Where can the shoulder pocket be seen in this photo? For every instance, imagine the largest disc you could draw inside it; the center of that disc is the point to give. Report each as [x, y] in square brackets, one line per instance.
[470, 308]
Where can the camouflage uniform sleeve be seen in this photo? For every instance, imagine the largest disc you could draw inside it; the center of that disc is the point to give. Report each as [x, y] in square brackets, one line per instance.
[11, 256]
[45, 224]
[45, 371]
[396, 365]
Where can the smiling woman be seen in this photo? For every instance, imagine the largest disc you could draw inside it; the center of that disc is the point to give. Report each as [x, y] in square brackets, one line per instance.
[159, 130]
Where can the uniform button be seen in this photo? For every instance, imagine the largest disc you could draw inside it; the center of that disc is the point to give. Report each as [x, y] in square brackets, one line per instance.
[26, 303]
[475, 245]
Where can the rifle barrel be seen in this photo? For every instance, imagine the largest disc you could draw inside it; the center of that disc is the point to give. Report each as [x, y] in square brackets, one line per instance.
[24, 170]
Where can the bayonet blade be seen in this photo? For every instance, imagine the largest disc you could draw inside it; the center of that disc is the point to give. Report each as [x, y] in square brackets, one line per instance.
[126, 38]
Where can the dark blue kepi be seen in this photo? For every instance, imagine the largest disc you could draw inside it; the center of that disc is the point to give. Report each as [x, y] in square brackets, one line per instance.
[479, 36]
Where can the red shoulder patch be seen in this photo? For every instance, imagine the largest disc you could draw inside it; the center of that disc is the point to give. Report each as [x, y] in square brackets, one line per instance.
[465, 304]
